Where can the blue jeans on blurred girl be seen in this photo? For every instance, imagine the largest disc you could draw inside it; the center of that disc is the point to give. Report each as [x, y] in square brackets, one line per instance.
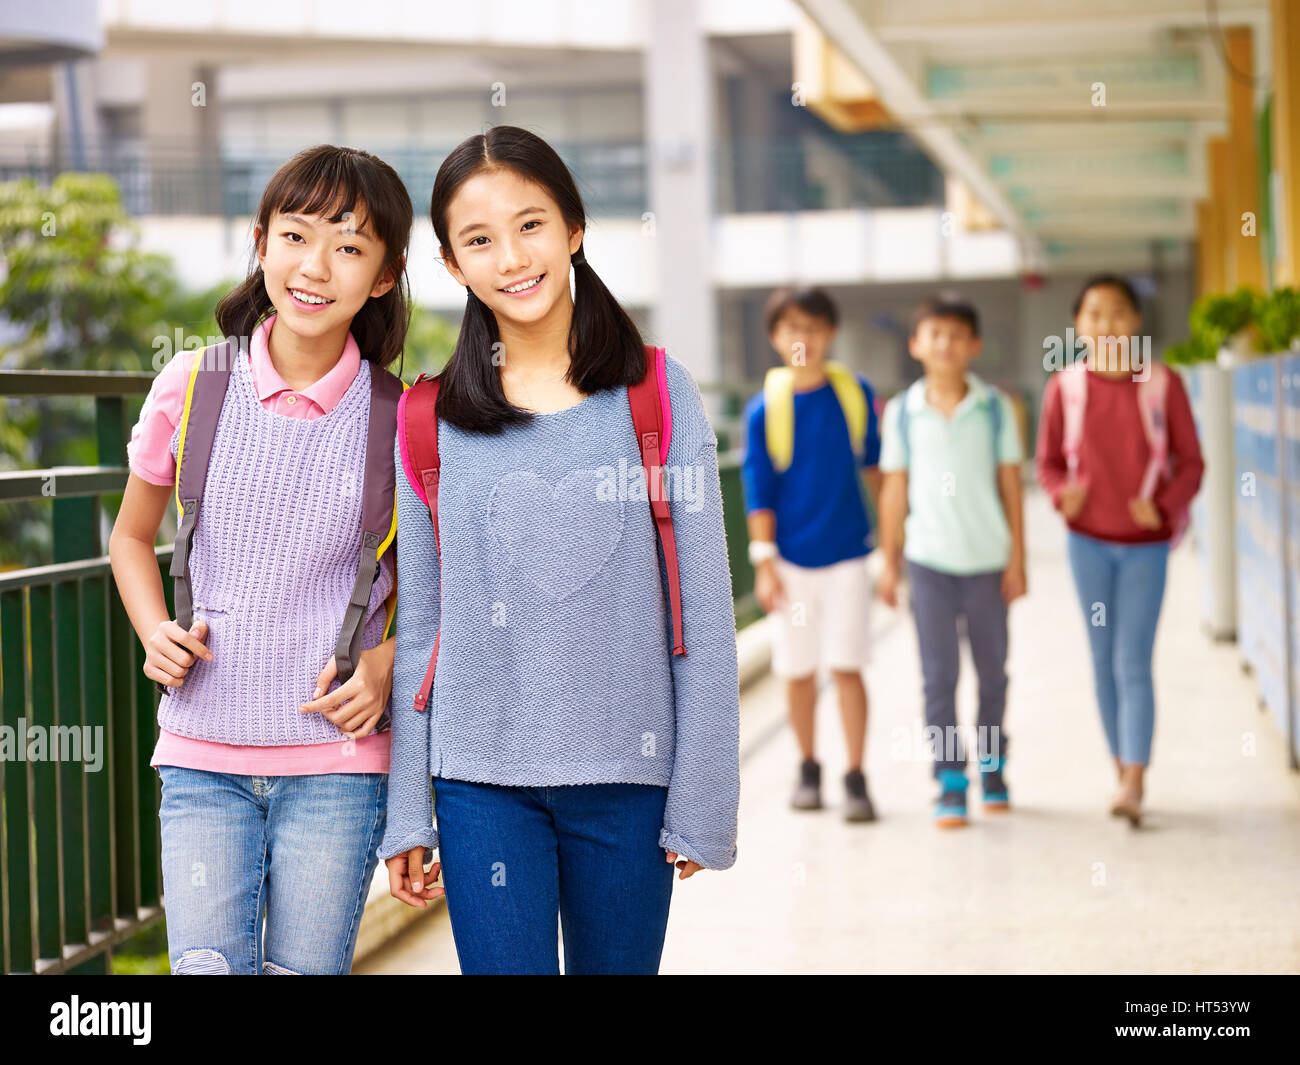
[1120, 588]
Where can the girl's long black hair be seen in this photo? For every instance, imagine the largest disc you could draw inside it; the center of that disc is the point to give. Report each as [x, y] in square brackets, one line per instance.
[338, 180]
[605, 348]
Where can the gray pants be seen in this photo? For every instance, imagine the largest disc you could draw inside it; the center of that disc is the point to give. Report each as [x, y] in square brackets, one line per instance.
[938, 600]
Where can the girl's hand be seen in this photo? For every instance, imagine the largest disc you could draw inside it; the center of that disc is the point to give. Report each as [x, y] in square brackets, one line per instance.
[170, 651]
[1072, 497]
[356, 706]
[1145, 513]
[688, 868]
[409, 883]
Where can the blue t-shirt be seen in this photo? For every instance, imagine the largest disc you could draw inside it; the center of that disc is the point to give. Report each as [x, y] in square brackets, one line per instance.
[821, 513]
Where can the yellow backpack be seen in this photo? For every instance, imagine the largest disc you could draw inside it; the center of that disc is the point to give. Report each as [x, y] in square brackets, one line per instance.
[778, 410]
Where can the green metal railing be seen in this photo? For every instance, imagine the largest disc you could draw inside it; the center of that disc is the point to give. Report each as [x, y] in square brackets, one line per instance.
[80, 863]
[79, 845]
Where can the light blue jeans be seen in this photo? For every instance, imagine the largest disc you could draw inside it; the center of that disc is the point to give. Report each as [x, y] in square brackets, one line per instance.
[1120, 588]
[297, 850]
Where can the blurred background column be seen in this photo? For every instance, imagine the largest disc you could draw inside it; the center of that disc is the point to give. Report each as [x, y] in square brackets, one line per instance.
[180, 127]
[678, 123]
[1286, 138]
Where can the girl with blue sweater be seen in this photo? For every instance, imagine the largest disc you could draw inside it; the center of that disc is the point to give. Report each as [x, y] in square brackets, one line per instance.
[574, 761]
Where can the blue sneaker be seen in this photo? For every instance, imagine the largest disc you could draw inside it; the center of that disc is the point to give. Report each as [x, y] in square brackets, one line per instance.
[950, 809]
[993, 787]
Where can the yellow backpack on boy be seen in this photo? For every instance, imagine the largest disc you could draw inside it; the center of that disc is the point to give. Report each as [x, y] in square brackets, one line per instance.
[778, 410]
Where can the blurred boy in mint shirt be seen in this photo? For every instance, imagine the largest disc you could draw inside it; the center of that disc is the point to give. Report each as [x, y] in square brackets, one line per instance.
[952, 493]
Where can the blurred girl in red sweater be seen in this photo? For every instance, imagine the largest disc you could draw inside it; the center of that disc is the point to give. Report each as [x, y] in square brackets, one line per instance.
[1119, 457]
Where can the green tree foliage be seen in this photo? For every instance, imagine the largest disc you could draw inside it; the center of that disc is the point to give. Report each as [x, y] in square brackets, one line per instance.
[78, 293]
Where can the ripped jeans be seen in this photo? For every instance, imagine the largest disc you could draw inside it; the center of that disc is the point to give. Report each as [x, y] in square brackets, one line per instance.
[297, 850]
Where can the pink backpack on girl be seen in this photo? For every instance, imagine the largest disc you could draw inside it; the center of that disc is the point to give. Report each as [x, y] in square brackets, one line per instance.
[1152, 396]
[652, 419]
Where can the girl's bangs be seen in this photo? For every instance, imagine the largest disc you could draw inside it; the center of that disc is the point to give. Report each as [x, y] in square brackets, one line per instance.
[333, 188]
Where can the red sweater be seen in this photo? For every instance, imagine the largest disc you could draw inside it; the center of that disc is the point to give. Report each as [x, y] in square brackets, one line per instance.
[1113, 456]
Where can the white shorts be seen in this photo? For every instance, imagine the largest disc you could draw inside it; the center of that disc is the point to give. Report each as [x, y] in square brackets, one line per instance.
[825, 618]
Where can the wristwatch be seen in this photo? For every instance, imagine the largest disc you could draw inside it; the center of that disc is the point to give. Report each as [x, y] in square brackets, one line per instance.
[760, 551]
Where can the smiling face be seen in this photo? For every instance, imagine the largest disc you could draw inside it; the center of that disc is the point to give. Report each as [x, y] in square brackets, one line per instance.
[510, 245]
[319, 272]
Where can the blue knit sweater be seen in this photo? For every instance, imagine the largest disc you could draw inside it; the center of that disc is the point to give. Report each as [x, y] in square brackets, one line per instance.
[555, 664]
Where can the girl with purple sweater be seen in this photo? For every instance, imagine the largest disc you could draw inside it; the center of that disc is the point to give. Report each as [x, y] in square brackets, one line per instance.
[274, 775]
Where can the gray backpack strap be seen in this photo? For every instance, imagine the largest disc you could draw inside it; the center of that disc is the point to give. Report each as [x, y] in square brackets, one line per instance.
[199, 417]
[904, 423]
[377, 498]
[995, 417]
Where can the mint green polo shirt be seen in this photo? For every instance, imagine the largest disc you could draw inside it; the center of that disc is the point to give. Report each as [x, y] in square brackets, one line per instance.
[955, 521]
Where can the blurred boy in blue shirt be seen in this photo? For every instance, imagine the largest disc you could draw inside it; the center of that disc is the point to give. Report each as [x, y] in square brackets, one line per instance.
[809, 435]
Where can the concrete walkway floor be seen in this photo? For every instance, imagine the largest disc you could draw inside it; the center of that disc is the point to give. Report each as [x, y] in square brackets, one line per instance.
[1209, 884]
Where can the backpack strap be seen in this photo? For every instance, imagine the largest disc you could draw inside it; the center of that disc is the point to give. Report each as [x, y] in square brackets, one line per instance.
[378, 514]
[1152, 394]
[1074, 398]
[205, 394]
[994, 404]
[648, 399]
[417, 439]
[853, 402]
[778, 416]
[905, 426]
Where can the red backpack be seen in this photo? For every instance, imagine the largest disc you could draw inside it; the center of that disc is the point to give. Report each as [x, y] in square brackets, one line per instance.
[417, 437]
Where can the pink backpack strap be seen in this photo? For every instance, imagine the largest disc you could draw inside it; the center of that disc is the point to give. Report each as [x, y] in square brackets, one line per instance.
[1152, 394]
[661, 375]
[648, 400]
[411, 477]
[1073, 383]
[417, 438]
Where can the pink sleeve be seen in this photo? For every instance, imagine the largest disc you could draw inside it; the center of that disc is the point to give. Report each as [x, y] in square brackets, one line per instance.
[148, 452]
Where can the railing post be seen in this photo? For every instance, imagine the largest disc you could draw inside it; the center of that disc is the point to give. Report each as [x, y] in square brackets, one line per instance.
[17, 884]
[45, 795]
[99, 670]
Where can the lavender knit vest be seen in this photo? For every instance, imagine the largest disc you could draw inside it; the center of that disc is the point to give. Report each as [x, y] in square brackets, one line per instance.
[275, 554]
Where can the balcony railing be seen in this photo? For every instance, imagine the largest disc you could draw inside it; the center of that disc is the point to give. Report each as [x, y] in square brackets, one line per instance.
[79, 847]
[790, 173]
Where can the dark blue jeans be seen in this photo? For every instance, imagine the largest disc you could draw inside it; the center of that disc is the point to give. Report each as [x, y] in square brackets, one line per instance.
[517, 862]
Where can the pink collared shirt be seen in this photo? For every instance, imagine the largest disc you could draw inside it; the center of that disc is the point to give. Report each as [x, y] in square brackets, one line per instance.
[150, 458]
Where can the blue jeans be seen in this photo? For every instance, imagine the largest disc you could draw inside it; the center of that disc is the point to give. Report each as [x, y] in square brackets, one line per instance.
[1120, 588]
[518, 861]
[299, 850]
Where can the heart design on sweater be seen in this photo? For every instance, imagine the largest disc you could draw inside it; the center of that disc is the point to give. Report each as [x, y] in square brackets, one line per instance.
[560, 536]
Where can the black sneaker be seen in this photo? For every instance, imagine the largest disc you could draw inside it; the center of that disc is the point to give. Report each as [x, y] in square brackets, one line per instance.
[994, 788]
[808, 793]
[857, 803]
